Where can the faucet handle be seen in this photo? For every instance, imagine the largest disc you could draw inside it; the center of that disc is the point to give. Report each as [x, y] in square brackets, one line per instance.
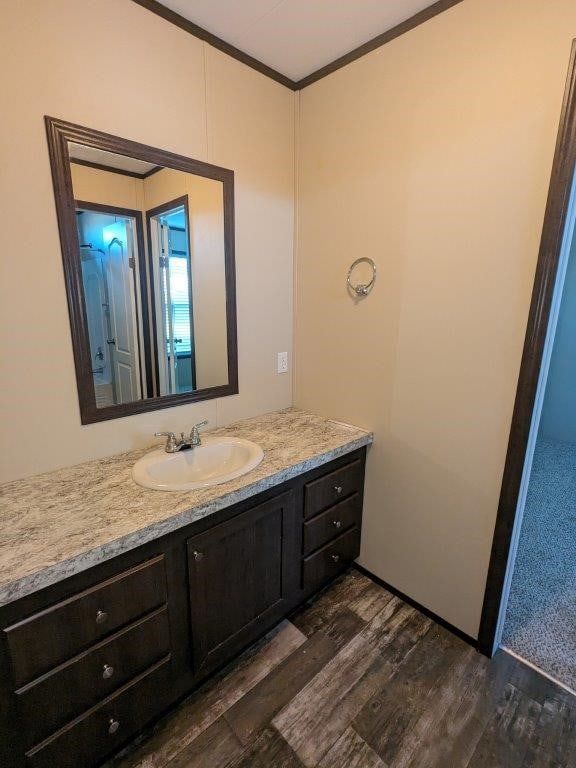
[171, 442]
[195, 435]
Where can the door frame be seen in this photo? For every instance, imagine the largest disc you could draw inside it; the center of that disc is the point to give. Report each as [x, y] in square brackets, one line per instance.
[557, 207]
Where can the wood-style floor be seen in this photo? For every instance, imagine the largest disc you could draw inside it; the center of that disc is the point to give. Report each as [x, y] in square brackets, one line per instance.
[359, 679]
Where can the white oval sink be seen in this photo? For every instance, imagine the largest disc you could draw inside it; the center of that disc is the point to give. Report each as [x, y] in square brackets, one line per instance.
[215, 461]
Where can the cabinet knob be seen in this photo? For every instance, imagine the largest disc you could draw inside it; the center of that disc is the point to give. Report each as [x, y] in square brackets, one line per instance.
[198, 555]
[107, 671]
[336, 558]
[101, 617]
[338, 489]
[113, 725]
[337, 523]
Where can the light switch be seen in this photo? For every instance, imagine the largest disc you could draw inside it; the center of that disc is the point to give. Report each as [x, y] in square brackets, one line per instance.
[282, 362]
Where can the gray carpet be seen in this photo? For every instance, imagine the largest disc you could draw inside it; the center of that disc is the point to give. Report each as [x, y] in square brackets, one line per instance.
[541, 617]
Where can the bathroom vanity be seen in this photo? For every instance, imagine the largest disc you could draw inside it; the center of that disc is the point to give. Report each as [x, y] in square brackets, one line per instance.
[116, 601]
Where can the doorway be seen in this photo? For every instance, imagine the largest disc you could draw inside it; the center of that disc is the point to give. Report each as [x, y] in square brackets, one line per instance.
[172, 302]
[110, 244]
[522, 534]
[539, 625]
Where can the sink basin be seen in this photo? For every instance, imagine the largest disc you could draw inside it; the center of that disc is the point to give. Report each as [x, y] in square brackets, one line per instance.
[215, 461]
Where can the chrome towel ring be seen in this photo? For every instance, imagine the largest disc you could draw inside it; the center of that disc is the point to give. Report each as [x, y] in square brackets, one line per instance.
[361, 289]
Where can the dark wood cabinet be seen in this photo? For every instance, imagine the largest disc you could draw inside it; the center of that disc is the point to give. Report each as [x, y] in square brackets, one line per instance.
[335, 520]
[327, 562]
[332, 487]
[91, 676]
[88, 662]
[103, 728]
[43, 640]
[243, 576]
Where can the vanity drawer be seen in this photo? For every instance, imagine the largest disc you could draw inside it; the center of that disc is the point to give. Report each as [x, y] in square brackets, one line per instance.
[46, 639]
[331, 559]
[102, 729]
[331, 523]
[328, 489]
[56, 698]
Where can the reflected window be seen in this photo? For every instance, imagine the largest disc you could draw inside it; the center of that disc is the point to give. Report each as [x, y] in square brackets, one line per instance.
[181, 309]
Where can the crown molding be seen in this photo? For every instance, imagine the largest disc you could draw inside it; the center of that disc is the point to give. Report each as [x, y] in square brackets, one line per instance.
[296, 85]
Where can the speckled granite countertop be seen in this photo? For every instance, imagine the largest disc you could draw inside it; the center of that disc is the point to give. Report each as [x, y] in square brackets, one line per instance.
[60, 523]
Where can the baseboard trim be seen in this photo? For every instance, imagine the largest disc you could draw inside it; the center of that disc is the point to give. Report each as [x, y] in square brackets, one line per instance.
[407, 599]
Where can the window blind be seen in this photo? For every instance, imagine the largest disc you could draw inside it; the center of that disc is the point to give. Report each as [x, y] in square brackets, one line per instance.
[178, 271]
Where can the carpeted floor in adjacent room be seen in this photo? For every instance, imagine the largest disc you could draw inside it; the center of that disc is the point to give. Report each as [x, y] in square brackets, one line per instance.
[541, 617]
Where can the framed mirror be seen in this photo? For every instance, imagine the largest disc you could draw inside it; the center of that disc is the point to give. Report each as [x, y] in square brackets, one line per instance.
[147, 242]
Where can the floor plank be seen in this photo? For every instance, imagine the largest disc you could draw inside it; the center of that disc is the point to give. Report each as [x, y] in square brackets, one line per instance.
[342, 628]
[370, 601]
[506, 739]
[351, 751]
[323, 710]
[268, 751]
[206, 705]
[452, 723]
[257, 707]
[215, 747]
[323, 609]
[387, 721]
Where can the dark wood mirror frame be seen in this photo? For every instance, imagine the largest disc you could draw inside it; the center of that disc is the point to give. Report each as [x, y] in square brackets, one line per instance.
[59, 134]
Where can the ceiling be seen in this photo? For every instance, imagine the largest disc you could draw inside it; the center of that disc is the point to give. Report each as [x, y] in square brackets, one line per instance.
[297, 37]
[109, 159]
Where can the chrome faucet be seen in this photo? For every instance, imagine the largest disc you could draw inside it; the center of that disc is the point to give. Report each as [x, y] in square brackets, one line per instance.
[173, 444]
[195, 438]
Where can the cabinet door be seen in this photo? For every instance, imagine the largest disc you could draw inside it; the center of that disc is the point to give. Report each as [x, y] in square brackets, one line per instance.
[243, 574]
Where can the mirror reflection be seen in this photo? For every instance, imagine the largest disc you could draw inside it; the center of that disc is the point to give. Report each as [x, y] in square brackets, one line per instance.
[151, 245]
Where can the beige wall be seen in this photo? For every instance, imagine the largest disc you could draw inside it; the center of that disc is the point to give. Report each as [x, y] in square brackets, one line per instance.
[92, 185]
[166, 185]
[211, 108]
[431, 155]
[206, 210]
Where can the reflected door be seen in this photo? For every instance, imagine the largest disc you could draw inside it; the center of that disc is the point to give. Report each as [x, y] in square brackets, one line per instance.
[123, 343]
[96, 300]
[172, 292]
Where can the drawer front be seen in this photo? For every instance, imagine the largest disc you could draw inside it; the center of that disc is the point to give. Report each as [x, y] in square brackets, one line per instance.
[101, 730]
[46, 639]
[48, 703]
[331, 488]
[331, 559]
[331, 523]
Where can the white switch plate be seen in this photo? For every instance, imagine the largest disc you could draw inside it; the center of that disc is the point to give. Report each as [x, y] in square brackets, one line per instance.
[282, 362]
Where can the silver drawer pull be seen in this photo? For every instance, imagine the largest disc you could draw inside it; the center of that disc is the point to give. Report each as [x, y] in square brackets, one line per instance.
[107, 671]
[101, 617]
[338, 489]
[198, 555]
[336, 558]
[337, 523]
[113, 725]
